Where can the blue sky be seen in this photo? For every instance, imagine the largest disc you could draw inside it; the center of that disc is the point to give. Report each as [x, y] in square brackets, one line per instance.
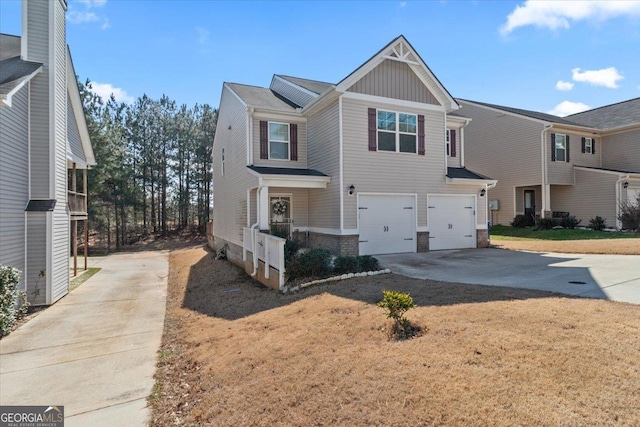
[545, 56]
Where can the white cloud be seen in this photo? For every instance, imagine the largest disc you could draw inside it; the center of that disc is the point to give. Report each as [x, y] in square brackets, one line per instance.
[560, 14]
[203, 35]
[92, 3]
[76, 17]
[607, 77]
[564, 85]
[567, 107]
[104, 91]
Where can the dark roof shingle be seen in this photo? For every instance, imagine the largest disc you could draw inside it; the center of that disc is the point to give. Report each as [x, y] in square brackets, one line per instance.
[527, 113]
[263, 170]
[314, 86]
[464, 173]
[261, 97]
[610, 116]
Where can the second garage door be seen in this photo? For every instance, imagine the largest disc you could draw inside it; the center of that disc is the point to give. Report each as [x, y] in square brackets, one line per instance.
[451, 222]
[387, 224]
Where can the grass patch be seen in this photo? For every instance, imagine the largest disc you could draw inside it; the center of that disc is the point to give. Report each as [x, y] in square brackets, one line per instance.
[502, 232]
[83, 278]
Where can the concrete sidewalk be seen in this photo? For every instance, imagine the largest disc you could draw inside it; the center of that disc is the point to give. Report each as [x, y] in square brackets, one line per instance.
[95, 350]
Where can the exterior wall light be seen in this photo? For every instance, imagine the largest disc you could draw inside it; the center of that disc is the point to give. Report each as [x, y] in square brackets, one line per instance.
[351, 189]
[483, 192]
[625, 185]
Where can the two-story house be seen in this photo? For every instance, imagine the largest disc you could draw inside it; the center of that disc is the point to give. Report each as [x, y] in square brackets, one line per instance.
[45, 151]
[373, 164]
[584, 165]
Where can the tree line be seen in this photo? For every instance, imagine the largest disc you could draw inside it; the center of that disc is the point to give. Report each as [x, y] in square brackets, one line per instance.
[154, 165]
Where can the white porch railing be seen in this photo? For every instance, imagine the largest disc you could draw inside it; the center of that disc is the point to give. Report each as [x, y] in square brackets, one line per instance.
[266, 248]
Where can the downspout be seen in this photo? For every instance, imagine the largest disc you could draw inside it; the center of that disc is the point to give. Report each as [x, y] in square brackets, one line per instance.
[253, 232]
[545, 178]
[618, 198]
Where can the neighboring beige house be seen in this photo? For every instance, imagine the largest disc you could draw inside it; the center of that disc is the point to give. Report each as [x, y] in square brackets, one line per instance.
[586, 164]
[373, 164]
[44, 144]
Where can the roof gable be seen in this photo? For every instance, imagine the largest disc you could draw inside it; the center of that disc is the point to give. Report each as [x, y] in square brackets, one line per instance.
[401, 50]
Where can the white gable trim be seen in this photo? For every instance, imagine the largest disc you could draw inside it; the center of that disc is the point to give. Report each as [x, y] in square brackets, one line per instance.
[297, 87]
[403, 56]
[6, 99]
[78, 113]
[226, 86]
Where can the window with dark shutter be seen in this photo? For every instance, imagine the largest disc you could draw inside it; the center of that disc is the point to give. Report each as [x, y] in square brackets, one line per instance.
[567, 145]
[553, 147]
[453, 143]
[293, 131]
[584, 144]
[372, 129]
[421, 149]
[593, 146]
[264, 140]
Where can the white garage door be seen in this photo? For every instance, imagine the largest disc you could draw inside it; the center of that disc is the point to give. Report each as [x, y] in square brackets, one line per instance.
[387, 224]
[451, 222]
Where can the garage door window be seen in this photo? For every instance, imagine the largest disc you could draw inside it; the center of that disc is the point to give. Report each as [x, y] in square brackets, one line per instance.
[397, 132]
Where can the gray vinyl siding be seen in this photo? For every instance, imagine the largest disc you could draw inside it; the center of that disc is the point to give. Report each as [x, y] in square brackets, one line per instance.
[393, 79]
[230, 189]
[61, 227]
[519, 194]
[300, 204]
[324, 155]
[561, 172]
[386, 172]
[506, 148]
[301, 163]
[455, 162]
[622, 151]
[14, 176]
[293, 94]
[73, 134]
[593, 194]
[37, 258]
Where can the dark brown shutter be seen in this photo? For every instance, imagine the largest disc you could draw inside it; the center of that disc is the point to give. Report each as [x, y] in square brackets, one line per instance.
[593, 146]
[553, 147]
[293, 140]
[421, 150]
[584, 144]
[566, 139]
[452, 142]
[264, 140]
[372, 130]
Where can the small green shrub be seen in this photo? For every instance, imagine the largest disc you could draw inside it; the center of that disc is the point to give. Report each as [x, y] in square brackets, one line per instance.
[315, 263]
[522, 221]
[291, 248]
[280, 230]
[545, 224]
[13, 302]
[570, 221]
[396, 304]
[346, 264]
[368, 263]
[598, 223]
[630, 215]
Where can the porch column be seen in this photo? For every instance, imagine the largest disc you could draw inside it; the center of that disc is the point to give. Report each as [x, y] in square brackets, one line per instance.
[545, 212]
[263, 208]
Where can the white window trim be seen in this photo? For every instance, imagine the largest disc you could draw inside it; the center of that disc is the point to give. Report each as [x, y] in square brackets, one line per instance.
[448, 142]
[288, 141]
[588, 145]
[397, 132]
[564, 149]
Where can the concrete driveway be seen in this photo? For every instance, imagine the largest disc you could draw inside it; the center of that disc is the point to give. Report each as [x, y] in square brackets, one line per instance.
[95, 350]
[612, 277]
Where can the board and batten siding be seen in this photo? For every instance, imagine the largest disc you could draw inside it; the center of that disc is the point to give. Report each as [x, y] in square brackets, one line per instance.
[593, 194]
[230, 189]
[622, 151]
[394, 79]
[323, 130]
[301, 163]
[502, 147]
[14, 176]
[396, 173]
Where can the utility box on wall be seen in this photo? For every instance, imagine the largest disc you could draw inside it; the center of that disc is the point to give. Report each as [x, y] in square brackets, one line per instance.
[494, 205]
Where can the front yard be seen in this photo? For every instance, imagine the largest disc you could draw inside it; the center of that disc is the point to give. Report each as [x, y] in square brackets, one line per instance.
[566, 240]
[236, 353]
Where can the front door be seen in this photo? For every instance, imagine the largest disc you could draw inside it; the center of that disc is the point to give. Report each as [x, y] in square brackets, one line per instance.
[530, 203]
[280, 214]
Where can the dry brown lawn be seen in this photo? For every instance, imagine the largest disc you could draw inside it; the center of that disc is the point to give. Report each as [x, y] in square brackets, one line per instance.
[235, 353]
[608, 246]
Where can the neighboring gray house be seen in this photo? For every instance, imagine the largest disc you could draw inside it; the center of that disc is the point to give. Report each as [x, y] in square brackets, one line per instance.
[44, 142]
[585, 164]
[373, 164]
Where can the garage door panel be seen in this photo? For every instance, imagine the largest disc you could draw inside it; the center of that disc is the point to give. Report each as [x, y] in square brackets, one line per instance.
[451, 222]
[386, 224]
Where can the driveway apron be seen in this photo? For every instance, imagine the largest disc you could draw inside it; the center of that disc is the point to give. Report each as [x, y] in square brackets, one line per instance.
[95, 350]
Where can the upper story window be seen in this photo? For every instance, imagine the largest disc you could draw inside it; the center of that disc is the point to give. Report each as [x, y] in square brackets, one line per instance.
[397, 132]
[278, 141]
[560, 147]
[588, 146]
[448, 142]
[222, 160]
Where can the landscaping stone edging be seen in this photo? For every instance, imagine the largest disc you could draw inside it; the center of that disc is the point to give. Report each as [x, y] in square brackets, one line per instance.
[335, 279]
